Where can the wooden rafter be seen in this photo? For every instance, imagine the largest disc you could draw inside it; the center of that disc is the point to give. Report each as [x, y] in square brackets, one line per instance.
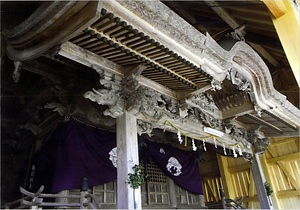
[287, 23]
[284, 158]
[236, 26]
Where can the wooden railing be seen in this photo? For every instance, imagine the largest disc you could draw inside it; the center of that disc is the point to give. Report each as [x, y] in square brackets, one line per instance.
[36, 200]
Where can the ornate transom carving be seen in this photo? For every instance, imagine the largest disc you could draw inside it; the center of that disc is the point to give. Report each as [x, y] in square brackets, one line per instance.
[239, 80]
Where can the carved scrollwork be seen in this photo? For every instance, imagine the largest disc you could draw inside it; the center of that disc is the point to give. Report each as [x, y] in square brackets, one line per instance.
[259, 141]
[203, 101]
[239, 80]
[152, 104]
[258, 110]
[111, 95]
[209, 120]
[216, 85]
[238, 134]
[56, 107]
[248, 157]
[144, 127]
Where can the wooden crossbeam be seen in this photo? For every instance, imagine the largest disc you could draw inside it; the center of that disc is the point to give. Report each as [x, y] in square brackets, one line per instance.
[289, 157]
[288, 193]
[223, 13]
[239, 168]
[283, 141]
[250, 199]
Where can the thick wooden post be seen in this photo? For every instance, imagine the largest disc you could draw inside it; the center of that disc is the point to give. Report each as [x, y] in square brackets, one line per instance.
[259, 180]
[268, 174]
[127, 151]
[171, 186]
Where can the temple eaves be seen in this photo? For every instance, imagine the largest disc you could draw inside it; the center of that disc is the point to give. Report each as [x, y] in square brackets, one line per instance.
[179, 61]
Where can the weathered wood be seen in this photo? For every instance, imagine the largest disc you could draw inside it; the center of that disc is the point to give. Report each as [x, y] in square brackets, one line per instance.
[259, 180]
[172, 194]
[33, 39]
[92, 60]
[127, 153]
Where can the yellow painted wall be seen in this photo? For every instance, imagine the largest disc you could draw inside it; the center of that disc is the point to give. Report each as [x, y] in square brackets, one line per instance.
[283, 175]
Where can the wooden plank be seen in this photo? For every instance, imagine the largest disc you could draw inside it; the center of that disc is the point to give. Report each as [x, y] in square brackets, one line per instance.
[250, 199]
[226, 177]
[210, 192]
[243, 109]
[288, 193]
[283, 141]
[294, 182]
[289, 157]
[223, 14]
[239, 168]
[270, 178]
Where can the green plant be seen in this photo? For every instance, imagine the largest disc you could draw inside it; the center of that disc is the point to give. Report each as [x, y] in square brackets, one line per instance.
[268, 188]
[137, 178]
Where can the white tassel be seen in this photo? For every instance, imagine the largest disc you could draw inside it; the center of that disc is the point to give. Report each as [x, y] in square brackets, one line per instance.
[215, 143]
[204, 147]
[240, 151]
[193, 145]
[179, 137]
[234, 152]
[224, 148]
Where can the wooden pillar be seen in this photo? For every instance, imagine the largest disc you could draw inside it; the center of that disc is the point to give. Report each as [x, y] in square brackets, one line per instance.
[172, 193]
[276, 203]
[127, 152]
[259, 180]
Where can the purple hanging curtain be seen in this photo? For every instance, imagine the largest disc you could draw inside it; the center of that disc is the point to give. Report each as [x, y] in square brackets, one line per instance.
[182, 166]
[83, 151]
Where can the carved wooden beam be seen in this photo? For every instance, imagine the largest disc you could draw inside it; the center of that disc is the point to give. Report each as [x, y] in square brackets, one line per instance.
[43, 29]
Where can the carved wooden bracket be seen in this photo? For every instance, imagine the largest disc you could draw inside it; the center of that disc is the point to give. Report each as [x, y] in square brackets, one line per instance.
[110, 95]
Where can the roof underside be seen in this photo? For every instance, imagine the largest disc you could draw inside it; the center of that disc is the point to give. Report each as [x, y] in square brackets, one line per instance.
[54, 78]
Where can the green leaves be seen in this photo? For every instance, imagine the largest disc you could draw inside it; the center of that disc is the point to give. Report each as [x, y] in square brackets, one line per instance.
[137, 179]
[269, 189]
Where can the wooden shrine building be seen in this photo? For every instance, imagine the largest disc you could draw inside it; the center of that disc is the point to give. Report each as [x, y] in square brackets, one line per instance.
[219, 79]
